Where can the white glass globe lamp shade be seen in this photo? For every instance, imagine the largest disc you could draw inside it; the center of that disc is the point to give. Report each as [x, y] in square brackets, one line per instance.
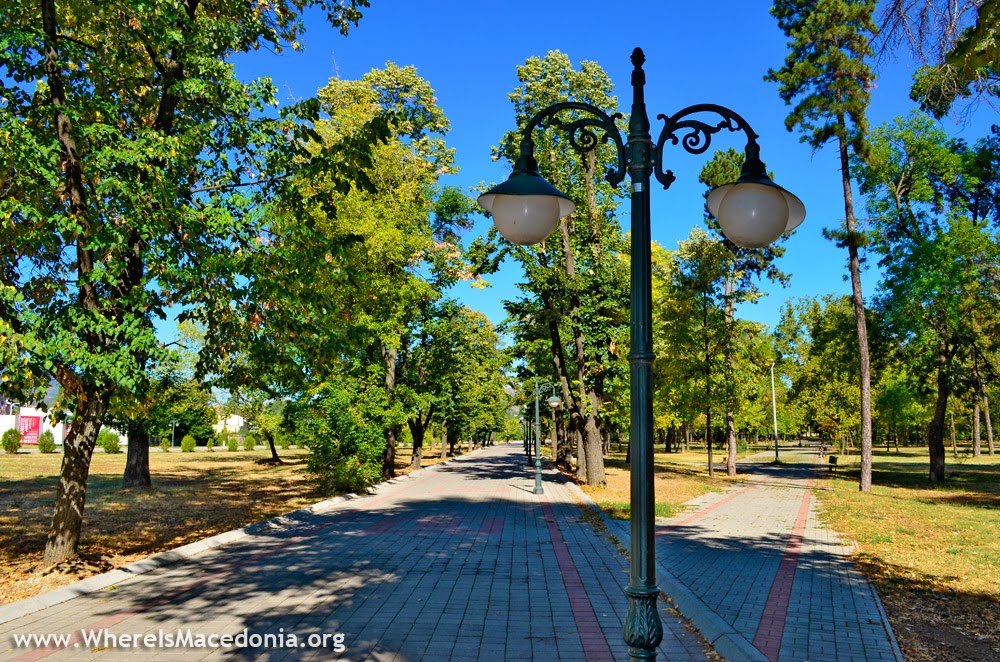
[554, 401]
[526, 208]
[752, 214]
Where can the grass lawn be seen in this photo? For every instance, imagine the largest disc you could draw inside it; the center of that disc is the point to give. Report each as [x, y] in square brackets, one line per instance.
[677, 477]
[933, 552]
[194, 496]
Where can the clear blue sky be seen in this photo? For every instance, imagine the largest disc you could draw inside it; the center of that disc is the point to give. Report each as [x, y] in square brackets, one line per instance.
[696, 52]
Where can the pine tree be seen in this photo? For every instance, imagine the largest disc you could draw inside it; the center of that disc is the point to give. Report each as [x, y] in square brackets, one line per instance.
[826, 78]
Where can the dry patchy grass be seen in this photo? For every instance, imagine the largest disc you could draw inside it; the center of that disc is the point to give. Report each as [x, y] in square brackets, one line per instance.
[933, 552]
[194, 496]
[678, 477]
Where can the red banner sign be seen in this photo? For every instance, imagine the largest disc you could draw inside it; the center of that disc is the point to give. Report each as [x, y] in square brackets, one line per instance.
[30, 427]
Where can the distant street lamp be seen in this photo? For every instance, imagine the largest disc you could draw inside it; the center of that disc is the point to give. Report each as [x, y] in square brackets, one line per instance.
[774, 413]
[173, 425]
[753, 211]
[553, 402]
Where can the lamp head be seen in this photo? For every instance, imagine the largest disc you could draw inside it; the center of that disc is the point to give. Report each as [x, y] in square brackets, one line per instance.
[554, 401]
[526, 208]
[753, 211]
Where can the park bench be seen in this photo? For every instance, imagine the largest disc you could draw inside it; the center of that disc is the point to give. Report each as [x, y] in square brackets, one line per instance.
[833, 462]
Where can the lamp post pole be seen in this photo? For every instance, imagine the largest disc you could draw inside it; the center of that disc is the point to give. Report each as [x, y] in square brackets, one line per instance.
[538, 450]
[752, 212]
[774, 413]
[553, 402]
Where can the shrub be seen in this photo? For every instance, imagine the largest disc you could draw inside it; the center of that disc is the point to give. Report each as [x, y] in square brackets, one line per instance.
[249, 442]
[345, 448]
[108, 440]
[164, 445]
[11, 440]
[188, 443]
[232, 445]
[283, 442]
[210, 444]
[47, 442]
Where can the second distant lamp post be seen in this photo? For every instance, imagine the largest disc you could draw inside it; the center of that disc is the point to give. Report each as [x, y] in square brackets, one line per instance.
[752, 212]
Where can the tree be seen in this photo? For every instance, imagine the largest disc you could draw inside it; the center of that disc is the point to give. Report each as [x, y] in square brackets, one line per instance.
[826, 75]
[939, 293]
[125, 143]
[745, 266]
[576, 292]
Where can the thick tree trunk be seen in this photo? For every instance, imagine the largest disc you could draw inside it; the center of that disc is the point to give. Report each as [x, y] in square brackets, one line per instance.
[730, 444]
[71, 495]
[274, 459]
[389, 454]
[137, 462]
[417, 431]
[935, 431]
[445, 444]
[854, 264]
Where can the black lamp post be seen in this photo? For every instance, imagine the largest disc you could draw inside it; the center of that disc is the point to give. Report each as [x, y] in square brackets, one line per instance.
[752, 212]
[553, 402]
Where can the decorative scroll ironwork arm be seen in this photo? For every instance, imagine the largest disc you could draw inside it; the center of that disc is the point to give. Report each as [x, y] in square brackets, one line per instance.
[585, 134]
[697, 136]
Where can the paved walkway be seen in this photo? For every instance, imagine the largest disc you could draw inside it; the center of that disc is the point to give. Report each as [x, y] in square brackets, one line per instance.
[462, 561]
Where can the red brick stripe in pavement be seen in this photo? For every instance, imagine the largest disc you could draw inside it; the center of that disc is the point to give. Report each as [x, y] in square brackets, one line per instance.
[704, 511]
[595, 644]
[772, 622]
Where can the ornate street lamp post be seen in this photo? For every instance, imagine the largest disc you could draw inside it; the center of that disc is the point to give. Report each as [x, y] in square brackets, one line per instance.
[753, 211]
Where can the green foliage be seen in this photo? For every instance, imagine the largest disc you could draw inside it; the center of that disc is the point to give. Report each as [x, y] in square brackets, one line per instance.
[165, 445]
[249, 442]
[47, 442]
[109, 441]
[283, 442]
[11, 440]
[210, 443]
[188, 443]
[345, 449]
[232, 445]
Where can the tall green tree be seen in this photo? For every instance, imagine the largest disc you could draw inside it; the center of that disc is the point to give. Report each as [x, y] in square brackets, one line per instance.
[939, 291]
[828, 80]
[745, 268]
[125, 141]
[575, 291]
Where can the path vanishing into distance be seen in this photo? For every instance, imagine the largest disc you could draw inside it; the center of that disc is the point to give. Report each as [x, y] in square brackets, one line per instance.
[462, 561]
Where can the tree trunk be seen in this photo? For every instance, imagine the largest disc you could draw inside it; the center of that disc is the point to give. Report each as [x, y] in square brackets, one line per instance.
[391, 432]
[581, 457]
[935, 431]
[865, 482]
[989, 426]
[977, 442]
[137, 462]
[445, 444]
[708, 441]
[63, 540]
[270, 443]
[730, 444]
[417, 430]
